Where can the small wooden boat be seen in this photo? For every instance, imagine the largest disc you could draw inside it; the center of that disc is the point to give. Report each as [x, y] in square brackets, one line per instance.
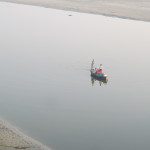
[97, 72]
[99, 76]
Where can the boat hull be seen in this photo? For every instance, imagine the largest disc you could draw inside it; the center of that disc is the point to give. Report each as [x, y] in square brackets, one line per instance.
[99, 76]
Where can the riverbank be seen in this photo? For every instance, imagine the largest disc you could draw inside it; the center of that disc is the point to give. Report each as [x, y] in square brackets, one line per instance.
[129, 9]
[12, 139]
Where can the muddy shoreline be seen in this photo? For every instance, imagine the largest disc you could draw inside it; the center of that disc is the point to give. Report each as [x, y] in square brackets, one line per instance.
[126, 10]
[12, 139]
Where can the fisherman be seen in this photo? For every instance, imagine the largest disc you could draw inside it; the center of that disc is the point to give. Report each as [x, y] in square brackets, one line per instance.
[101, 68]
[92, 64]
[98, 71]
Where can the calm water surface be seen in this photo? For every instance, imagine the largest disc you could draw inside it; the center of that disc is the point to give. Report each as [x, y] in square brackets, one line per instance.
[45, 83]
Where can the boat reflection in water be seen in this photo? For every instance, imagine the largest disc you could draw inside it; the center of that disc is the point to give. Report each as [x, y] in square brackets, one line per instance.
[101, 81]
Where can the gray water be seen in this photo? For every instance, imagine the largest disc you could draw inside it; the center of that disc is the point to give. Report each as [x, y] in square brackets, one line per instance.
[45, 83]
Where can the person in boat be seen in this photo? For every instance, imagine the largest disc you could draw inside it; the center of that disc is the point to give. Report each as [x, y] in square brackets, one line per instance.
[98, 71]
[101, 68]
[92, 66]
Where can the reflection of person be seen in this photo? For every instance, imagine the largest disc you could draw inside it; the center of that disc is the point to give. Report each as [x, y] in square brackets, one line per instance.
[100, 83]
[92, 81]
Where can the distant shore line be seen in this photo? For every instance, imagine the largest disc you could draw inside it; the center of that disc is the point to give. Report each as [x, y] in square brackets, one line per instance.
[99, 8]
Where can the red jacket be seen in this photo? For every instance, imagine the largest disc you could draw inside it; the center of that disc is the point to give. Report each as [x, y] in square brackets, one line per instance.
[99, 71]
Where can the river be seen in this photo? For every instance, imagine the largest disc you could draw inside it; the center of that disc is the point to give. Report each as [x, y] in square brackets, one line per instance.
[45, 83]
